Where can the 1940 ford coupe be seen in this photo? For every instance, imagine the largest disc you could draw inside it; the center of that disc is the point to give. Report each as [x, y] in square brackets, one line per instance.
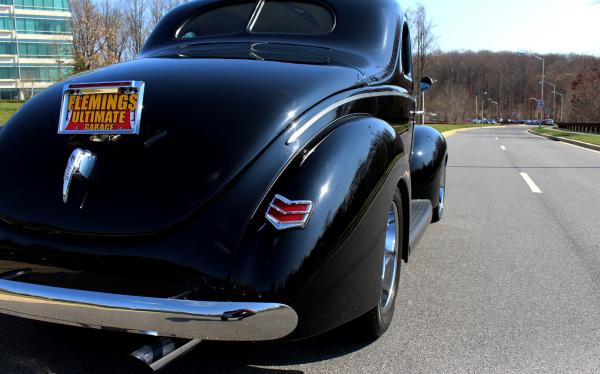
[256, 174]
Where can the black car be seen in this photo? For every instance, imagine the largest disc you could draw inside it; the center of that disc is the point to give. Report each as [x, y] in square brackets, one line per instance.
[256, 174]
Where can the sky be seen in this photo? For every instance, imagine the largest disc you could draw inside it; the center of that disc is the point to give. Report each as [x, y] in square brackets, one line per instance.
[538, 26]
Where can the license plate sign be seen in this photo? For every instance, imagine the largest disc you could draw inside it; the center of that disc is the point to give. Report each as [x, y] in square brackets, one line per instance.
[102, 108]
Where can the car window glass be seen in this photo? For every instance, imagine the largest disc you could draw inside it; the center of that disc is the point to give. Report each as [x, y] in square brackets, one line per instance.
[293, 17]
[406, 52]
[231, 19]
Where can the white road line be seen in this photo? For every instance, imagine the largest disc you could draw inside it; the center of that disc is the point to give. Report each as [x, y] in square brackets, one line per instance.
[503, 147]
[496, 138]
[531, 183]
[576, 146]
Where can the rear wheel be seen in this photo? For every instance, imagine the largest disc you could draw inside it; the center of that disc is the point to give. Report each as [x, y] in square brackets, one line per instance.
[378, 320]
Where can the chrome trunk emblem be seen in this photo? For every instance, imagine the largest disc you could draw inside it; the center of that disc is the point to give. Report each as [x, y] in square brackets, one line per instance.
[80, 165]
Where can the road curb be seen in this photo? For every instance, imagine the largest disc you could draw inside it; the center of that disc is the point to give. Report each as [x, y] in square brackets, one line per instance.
[569, 141]
[452, 132]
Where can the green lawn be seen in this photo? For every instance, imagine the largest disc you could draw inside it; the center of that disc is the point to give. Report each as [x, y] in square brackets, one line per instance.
[444, 128]
[7, 109]
[587, 138]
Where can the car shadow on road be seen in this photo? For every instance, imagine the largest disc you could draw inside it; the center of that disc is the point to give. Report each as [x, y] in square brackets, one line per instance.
[36, 347]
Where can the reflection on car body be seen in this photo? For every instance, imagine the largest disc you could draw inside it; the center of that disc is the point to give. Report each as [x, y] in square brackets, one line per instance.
[276, 175]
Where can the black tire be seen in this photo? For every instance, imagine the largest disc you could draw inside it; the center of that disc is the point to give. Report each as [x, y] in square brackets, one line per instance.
[438, 211]
[377, 321]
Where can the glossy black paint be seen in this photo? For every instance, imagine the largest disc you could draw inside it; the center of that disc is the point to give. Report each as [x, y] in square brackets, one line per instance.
[218, 114]
[350, 176]
[168, 180]
[428, 161]
[366, 35]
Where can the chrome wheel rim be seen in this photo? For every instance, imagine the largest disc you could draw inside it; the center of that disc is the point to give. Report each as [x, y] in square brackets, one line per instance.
[442, 203]
[390, 259]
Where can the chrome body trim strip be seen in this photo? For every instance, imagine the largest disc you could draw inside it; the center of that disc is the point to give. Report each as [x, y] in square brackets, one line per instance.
[189, 319]
[340, 103]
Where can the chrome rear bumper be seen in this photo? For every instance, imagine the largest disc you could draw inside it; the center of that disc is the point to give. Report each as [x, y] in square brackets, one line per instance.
[206, 320]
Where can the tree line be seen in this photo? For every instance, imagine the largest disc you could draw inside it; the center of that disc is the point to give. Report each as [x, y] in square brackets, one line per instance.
[108, 32]
[512, 80]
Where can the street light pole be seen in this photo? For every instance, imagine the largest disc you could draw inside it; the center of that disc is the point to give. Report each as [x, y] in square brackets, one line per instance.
[543, 79]
[423, 118]
[477, 105]
[553, 98]
[543, 75]
[425, 84]
[497, 109]
[562, 99]
[483, 106]
[536, 103]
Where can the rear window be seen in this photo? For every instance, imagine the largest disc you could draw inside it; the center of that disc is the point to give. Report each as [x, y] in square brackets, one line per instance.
[293, 17]
[275, 16]
[231, 19]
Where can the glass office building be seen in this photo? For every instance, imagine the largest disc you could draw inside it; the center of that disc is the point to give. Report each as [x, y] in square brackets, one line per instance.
[36, 46]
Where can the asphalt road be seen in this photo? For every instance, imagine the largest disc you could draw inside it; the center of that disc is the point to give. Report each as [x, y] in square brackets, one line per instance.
[508, 282]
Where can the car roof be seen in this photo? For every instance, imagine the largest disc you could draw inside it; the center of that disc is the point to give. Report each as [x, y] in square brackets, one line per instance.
[370, 29]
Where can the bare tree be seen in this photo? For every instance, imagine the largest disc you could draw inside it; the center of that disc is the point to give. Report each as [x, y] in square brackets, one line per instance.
[88, 34]
[107, 32]
[509, 79]
[62, 71]
[423, 39]
[115, 34]
[136, 22]
[158, 9]
[585, 100]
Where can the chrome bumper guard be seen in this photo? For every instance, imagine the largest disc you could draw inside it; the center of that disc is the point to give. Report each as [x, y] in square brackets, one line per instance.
[189, 319]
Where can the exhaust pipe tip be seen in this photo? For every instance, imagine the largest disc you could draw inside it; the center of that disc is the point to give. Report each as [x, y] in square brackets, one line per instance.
[162, 352]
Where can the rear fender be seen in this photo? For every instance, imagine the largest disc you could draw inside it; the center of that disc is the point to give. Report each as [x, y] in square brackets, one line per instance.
[350, 176]
[428, 158]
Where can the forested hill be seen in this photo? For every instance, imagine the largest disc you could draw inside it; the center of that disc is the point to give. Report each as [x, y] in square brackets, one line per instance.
[512, 79]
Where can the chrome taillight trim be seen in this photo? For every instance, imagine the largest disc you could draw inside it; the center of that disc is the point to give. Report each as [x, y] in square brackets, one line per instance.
[293, 224]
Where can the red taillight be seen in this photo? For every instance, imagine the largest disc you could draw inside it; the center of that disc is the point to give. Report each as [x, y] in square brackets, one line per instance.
[287, 214]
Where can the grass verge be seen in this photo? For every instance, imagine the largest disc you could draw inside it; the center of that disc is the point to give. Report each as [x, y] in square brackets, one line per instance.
[586, 138]
[7, 109]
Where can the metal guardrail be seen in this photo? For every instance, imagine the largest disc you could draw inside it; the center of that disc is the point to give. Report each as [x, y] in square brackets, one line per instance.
[591, 128]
